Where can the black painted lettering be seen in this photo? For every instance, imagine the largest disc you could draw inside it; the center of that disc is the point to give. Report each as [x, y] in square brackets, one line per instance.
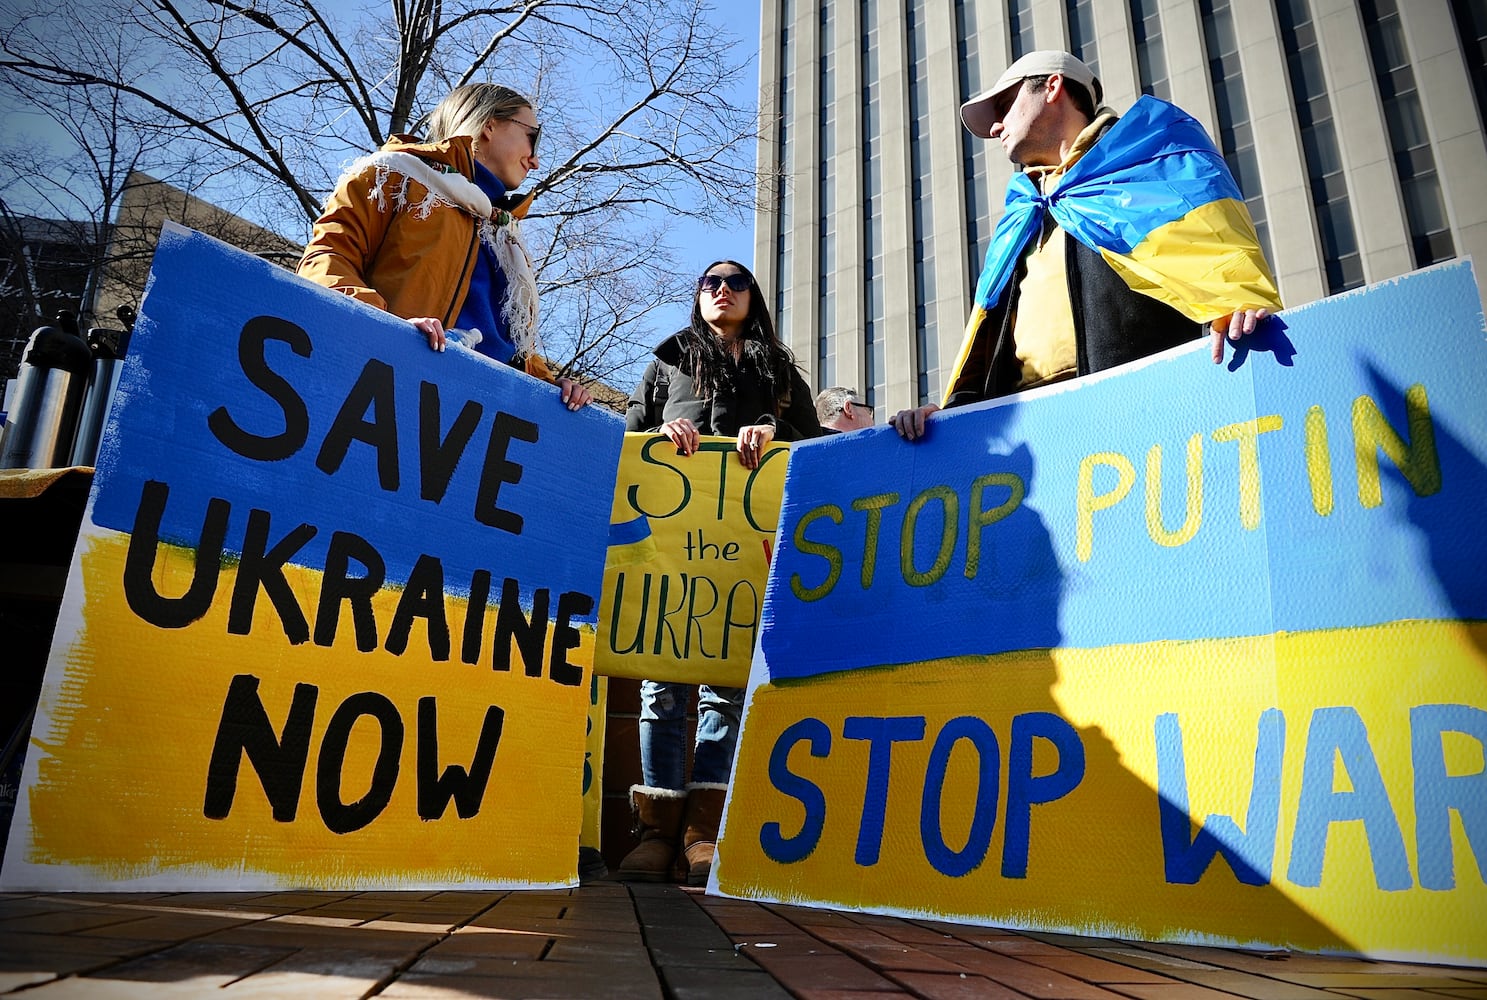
[275, 447]
[340, 816]
[139, 564]
[278, 760]
[565, 637]
[437, 459]
[261, 566]
[474, 635]
[513, 626]
[466, 788]
[374, 392]
[423, 597]
[336, 585]
[498, 469]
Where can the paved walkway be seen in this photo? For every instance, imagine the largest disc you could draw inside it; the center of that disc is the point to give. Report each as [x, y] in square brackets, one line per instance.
[614, 941]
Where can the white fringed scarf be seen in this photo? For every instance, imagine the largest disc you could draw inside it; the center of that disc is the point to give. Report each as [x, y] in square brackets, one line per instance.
[499, 230]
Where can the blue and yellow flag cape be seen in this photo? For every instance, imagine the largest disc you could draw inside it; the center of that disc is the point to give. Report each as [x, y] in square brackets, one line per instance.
[1157, 201]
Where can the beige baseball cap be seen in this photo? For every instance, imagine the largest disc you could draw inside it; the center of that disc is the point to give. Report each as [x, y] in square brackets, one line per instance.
[979, 112]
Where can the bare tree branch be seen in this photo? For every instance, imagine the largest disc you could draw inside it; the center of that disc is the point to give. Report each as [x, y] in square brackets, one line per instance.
[262, 101]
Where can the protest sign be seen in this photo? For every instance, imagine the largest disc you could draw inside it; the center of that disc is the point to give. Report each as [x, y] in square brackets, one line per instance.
[689, 550]
[330, 617]
[593, 762]
[1171, 653]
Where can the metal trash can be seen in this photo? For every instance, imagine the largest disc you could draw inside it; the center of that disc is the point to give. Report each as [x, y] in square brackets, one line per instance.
[42, 422]
[108, 348]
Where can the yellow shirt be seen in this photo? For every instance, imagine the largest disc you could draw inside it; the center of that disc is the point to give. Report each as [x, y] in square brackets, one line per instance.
[1043, 327]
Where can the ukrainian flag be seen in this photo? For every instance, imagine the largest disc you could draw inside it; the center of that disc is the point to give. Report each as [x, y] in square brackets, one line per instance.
[1157, 201]
[631, 543]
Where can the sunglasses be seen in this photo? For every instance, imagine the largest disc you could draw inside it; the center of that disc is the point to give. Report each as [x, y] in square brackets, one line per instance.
[534, 132]
[713, 282]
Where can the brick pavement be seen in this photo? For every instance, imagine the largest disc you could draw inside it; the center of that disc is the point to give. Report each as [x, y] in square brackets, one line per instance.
[614, 941]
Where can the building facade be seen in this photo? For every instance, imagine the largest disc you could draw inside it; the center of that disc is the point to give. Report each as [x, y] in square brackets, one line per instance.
[1355, 129]
[91, 268]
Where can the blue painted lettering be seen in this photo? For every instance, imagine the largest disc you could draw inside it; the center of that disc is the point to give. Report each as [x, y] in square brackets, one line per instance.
[983, 820]
[777, 847]
[1437, 792]
[1334, 733]
[881, 734]
[1250, 852]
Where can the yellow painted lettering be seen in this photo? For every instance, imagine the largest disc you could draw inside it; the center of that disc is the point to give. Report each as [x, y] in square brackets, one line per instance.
[1417, 460]
[980, 517]
[873, 507]
[830, 553]
[1318, 461]
[1247, 433]
[1155, 526]
[950, 504]
[1089, 502]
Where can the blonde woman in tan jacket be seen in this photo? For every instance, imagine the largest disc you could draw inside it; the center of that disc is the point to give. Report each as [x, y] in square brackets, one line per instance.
[430, 230]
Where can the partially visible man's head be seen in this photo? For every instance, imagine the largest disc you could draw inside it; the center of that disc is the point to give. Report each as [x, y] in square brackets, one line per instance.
[1041, 100]
[839, 409]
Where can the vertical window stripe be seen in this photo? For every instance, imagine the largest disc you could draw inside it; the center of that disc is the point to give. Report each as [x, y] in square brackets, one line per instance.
[1329, 187]
[1236, 136]
[1409, 136]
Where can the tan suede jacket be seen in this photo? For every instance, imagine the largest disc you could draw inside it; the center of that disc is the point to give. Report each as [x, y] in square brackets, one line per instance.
[394, 256]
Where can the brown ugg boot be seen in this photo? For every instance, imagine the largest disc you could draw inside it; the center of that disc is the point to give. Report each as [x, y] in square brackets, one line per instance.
[658, 819]
[700, 830]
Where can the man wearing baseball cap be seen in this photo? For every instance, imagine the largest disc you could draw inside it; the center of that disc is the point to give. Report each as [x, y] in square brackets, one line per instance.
[1121, 237]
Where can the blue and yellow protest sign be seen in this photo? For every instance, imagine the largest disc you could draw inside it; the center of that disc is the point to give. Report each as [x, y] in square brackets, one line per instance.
[689, 550]
[1172, 653]
[330, 617]
[593, 762]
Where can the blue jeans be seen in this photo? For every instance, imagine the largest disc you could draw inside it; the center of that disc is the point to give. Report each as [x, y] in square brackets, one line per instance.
[663, 728]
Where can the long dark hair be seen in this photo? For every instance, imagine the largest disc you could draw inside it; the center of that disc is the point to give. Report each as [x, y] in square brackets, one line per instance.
[762, 350]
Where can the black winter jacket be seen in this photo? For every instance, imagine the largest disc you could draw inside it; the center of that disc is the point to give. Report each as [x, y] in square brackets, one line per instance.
[667, 392]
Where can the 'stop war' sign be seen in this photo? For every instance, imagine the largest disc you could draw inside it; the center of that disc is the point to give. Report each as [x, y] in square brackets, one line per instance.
[1173, 653]
[330, 617]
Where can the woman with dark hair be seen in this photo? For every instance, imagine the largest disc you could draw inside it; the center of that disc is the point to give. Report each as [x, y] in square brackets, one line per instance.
[725, 374]
[429, 230]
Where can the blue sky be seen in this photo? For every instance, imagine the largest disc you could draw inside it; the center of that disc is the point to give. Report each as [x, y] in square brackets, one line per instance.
[697, 243]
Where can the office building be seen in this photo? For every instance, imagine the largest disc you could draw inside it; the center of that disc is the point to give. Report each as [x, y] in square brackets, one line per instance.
[1354, 128]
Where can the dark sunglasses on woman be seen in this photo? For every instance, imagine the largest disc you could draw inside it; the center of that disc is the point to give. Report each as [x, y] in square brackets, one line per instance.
[712, 282]
[534, 132]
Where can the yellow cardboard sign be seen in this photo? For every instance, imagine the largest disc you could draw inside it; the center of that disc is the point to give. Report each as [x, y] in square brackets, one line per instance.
[593, 762]
[691, 539]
